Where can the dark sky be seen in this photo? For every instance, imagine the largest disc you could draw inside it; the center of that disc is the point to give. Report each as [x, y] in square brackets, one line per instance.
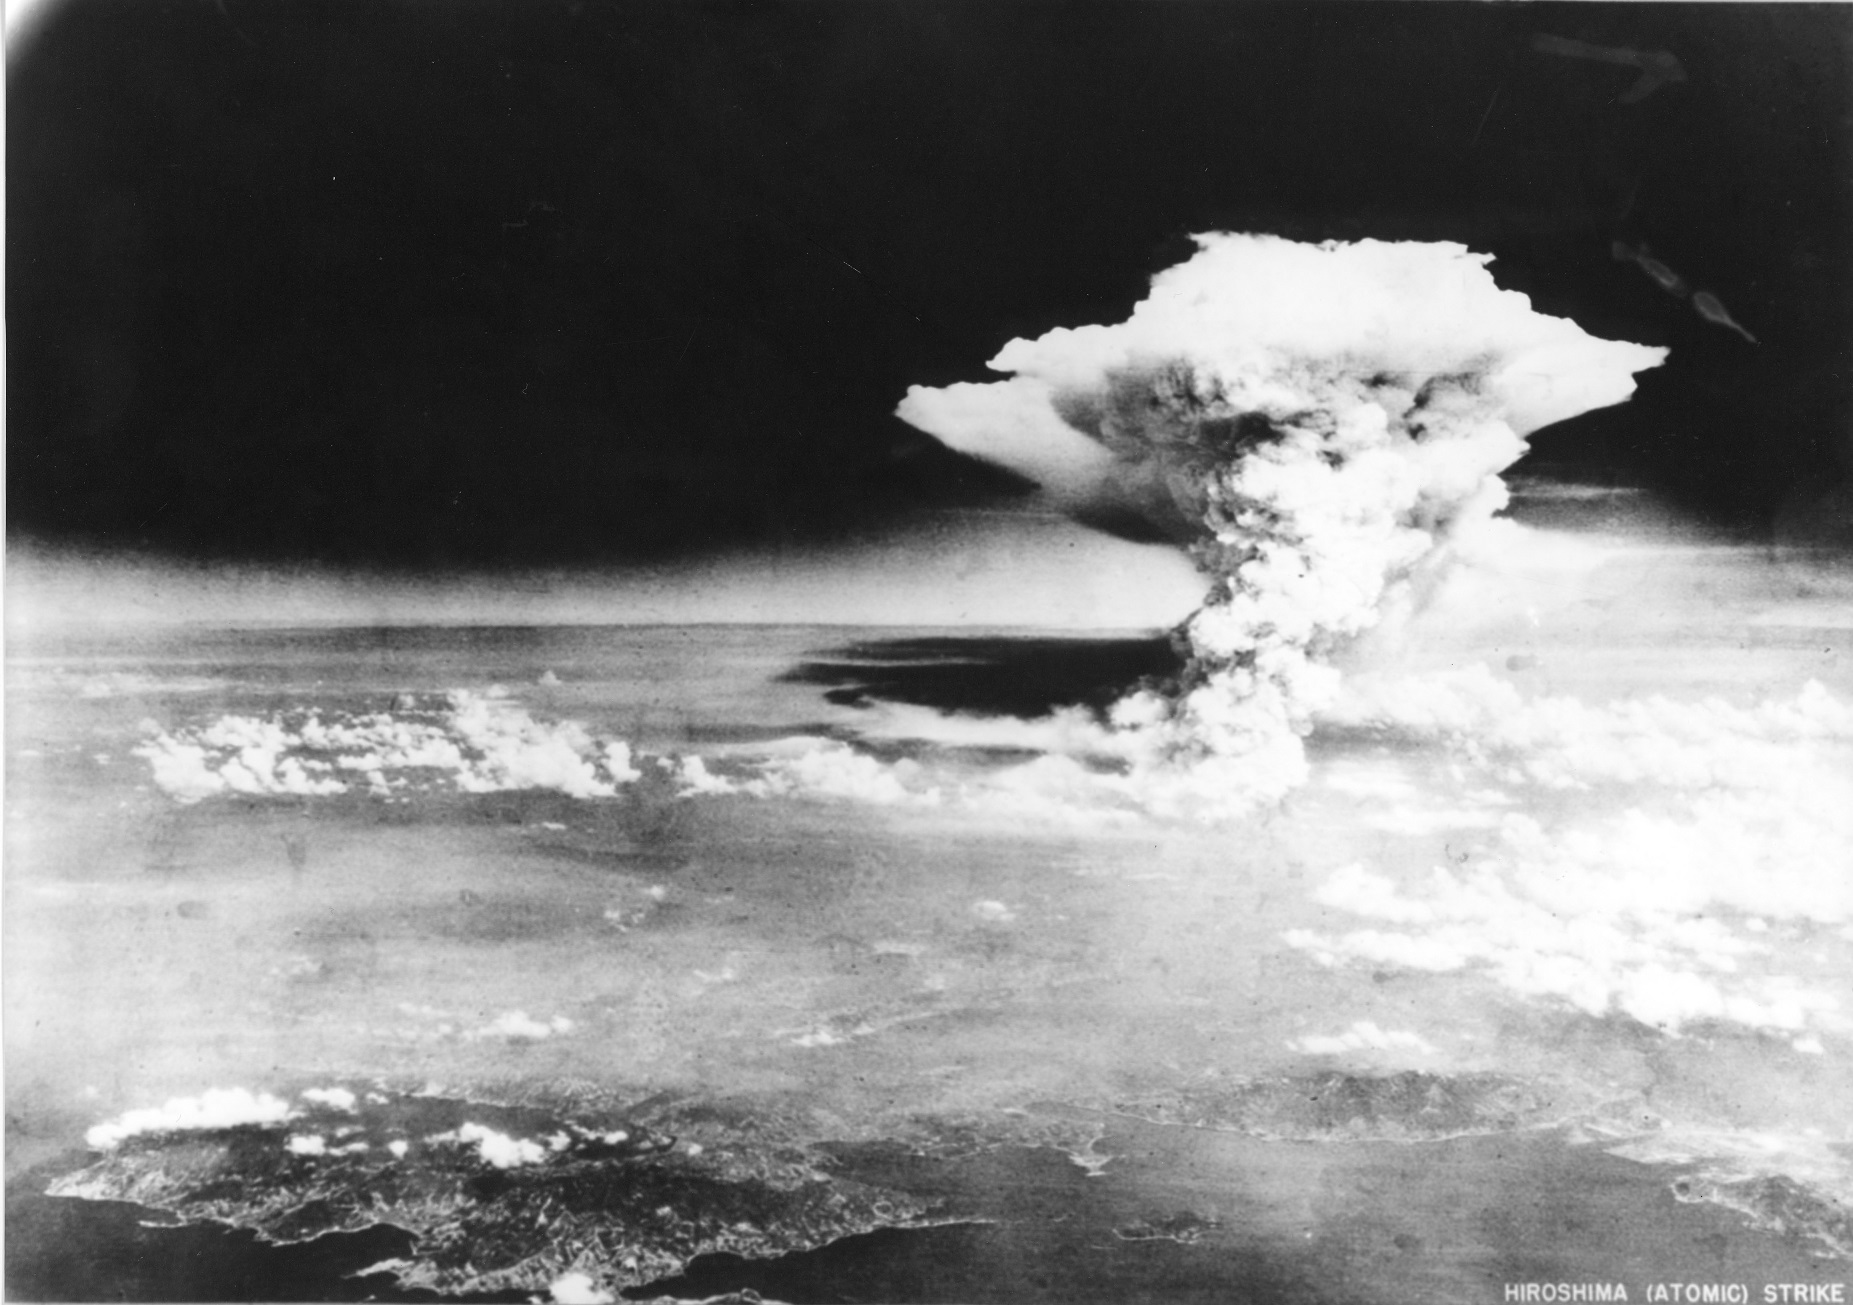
[556, 281]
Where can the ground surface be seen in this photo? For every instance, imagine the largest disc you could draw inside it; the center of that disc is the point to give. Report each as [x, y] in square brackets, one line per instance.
[866, 1043]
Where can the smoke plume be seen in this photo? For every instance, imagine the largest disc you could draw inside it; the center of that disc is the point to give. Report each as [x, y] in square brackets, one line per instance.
[1314, 423]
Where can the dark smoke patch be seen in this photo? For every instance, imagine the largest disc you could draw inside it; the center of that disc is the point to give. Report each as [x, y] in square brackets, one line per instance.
[1022, 677]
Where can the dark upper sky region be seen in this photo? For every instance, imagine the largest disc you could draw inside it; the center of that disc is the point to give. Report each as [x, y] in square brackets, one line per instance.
[444, 283]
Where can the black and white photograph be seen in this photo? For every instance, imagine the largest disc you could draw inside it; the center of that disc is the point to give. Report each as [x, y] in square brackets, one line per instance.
[920, 652]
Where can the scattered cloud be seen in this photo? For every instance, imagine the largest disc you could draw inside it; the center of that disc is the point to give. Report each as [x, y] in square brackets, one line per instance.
[474, 742]
[579, 1289]
[335, 1098]
[1364, 1035]
[493, 1148]
[1562, 742]
[1609, 919]
[517, 1025]
[214, 1109]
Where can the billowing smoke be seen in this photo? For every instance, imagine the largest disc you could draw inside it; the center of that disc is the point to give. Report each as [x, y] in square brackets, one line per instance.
[1313, 423]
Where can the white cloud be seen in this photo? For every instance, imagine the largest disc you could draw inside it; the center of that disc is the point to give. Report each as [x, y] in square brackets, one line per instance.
[180, 769]
[497, 1149]
[1561, 742]
[1364, 1035]
[517, 1025]
[579, 1289]
[516, 751]
[829, 769]
[820, 1037]
[618, 763]
[1607, 918]
[476, 742]
[335, 1098]
[696, 778]
[1699, 832]
[1723, 1156]
[214, 1109]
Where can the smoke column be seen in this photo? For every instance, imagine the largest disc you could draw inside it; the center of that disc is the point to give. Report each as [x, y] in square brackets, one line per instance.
[1313, 423]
